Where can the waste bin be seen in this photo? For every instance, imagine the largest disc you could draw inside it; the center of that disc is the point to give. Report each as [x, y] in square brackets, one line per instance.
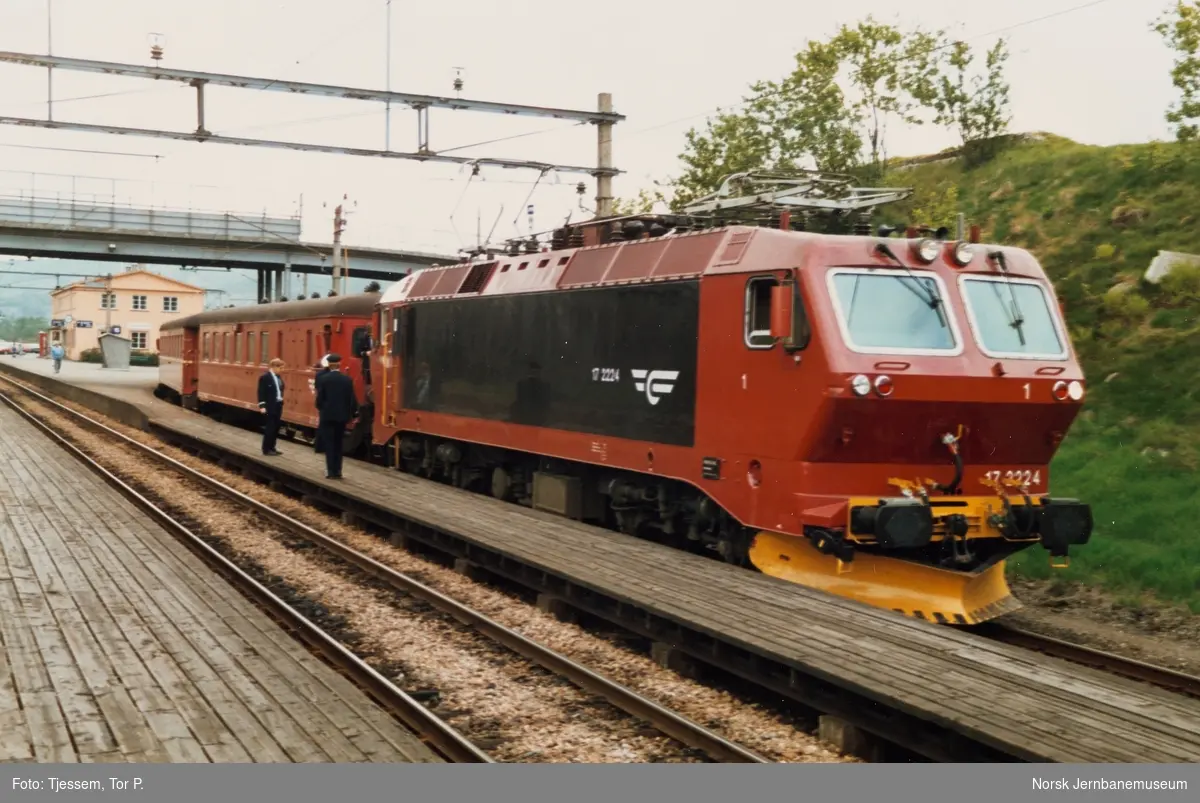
[115, 351]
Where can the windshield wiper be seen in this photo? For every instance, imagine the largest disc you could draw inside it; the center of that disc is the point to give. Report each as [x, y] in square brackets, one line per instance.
[930, 296]
[1015, 319]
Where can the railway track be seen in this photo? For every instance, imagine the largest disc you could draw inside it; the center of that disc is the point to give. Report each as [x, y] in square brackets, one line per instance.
[1162, 677]
[916, 736]
[438, 734]
[444, 740]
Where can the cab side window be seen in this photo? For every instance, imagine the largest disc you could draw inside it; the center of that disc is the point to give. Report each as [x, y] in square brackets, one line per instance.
[757, 332]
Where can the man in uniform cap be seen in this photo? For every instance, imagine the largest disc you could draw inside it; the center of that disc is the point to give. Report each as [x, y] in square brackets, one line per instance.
[322, 372]
[336, 407]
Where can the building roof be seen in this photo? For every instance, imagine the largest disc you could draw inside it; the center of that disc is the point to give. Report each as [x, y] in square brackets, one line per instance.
[98, 282]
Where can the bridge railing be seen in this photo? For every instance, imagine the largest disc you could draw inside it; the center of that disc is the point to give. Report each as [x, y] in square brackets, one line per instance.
[74, 214]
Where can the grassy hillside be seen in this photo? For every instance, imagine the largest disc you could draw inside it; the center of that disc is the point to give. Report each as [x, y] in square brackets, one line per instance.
[1095, 218]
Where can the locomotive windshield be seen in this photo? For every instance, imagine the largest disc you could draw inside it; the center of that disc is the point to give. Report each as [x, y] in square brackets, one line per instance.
[889, 311]
[1012, 318]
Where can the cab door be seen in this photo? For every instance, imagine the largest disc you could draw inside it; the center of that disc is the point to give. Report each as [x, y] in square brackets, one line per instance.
[391, 354]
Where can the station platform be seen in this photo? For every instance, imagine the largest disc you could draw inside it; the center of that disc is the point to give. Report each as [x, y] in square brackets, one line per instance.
[1022, 703]
[117, 644]
[95, 386]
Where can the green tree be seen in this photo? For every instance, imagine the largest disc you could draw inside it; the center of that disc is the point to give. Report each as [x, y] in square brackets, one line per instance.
[23, 329]
[831, 112]
[891, 74]
[731, 143]
[1180, 27]
[805, 118]
[976, 105]
[643, 204]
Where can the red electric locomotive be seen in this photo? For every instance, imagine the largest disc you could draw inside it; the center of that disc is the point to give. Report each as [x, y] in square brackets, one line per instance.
[211, 361]
[872, 416]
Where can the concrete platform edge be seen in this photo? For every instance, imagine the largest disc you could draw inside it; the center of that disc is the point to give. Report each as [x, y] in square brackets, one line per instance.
[125, 412]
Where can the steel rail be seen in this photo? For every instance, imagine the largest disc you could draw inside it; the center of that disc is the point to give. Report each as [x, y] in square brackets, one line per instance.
[1130, 668]
[435, 733]
[670, 723]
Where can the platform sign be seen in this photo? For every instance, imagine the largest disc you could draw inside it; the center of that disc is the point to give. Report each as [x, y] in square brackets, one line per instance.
[57, 323]
[83, 324]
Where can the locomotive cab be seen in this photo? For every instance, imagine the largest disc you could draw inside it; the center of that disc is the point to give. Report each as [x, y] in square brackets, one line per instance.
[952, 383]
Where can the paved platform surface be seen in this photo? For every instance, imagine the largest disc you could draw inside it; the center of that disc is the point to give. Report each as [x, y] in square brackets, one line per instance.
[135, 385]
[117, 644]
[1049, 709]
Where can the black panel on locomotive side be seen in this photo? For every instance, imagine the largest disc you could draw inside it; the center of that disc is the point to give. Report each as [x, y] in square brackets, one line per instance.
[615, 361]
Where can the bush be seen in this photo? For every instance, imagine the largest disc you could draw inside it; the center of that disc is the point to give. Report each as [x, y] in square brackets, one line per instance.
[136, 358]
[1182, 284]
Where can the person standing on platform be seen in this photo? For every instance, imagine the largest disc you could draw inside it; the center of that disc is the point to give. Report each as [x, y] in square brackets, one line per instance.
[322, 372]
[270, 401]
[57, 353]
[336, 407]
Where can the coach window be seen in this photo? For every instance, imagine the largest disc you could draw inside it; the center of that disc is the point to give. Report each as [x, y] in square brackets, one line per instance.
[266, 348]
[225, 347]
[206, 352]
[758, 312]
[279, 344]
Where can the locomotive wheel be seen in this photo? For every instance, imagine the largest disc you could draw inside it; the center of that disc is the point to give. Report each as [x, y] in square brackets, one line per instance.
[913, 589]
[501, 483]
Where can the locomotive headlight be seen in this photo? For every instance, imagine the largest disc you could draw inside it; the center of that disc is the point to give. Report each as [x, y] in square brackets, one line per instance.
[963, 254]
[1075, 390]
[1062, 390]
[861, 385]
[926, 250]
[883, 386]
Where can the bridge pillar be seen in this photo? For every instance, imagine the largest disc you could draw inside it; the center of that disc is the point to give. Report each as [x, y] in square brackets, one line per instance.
[258, 273]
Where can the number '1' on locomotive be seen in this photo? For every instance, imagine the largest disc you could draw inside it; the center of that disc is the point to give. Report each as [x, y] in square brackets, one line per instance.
[872, 416]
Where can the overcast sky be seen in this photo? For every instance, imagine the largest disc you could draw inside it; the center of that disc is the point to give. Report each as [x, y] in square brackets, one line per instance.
[1098, 75]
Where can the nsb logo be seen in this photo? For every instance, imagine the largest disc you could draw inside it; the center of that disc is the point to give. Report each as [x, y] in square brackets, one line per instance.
[654, 382]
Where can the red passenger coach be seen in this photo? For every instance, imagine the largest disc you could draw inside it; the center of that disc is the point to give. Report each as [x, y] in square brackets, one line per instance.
[178, 376]
[873, 416]
[215, 358]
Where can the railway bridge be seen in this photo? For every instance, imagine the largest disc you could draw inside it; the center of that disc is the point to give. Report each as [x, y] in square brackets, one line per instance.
[56, 228]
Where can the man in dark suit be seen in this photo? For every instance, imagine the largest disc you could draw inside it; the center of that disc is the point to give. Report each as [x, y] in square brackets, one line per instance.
[336, 407]
[322, 371]
[270, 401]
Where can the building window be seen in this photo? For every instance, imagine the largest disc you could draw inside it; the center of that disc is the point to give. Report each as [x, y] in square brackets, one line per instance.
[139, 339]
[139, 302]
[108, 301]
[170, 303]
